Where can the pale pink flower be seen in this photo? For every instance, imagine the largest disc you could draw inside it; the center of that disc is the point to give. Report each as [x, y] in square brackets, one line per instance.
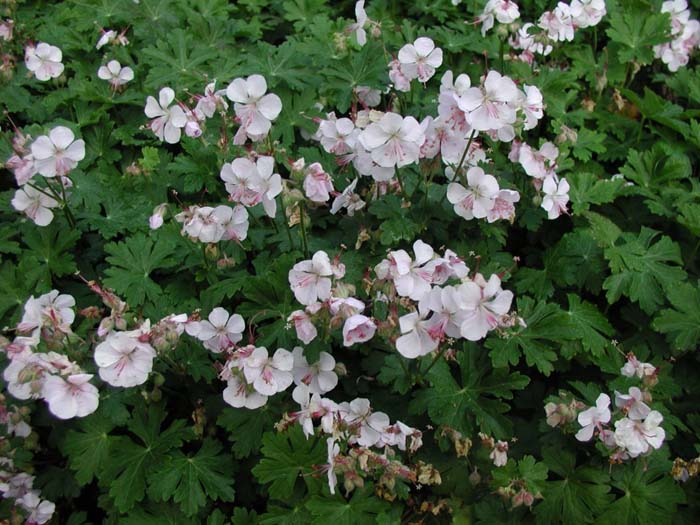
[359, 26]
[220, 332]
[269, 375]
[35, 205]
[239, 394]
[317, 183]
[358, 329]
[394, 140]
[539, 163]
[588, 13]
[532, 106]
[70, 397]
[50, 310]
[492, 106]
[155, 221]
[370, 424]
[44, 61]
[556, 196]
[305, 329]
[338, 136]
[559, 23]
[115, 73]
[255, 109]
[420, 59]
[348, 199]
[6, 27]
[310, 280]
[208, 103]
[167, 120]
[367, 96]
[633, 367]
[124, 360]
[399, 77]
[632, 403]
[499, 454]
[503, 207]
[418, 338]
[484, 304]
[638, 437]
[505, 11]
[319, 377]
[58, 153]
[40, 511]
[333, 450]
[22, 167]
[594, 417]
[234, 221]
[478, 198]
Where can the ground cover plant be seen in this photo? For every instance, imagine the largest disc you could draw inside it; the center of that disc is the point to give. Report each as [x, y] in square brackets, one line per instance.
[332, 262]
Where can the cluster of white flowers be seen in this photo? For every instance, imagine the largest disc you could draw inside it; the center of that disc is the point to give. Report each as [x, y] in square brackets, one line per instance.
[19, 486]
[49, 376]
[255, 110]
[470, 309]
[211, 225]
[52, 156]
[44, 61]
[685, 32]
[541, 165]
[251, 182]
[638, 431]
[353, 422]
[312, 284]
[415, 61]
[558, 25]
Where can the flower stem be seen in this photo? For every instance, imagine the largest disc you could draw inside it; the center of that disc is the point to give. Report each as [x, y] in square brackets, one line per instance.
[432, 363]
[458, 171]
[398, 177]
[303, 230]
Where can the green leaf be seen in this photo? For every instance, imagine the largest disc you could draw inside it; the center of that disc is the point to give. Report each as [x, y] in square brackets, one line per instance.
[682, 322]
[473, 402]
[650, 496]
[579, 497]
[88, 448]
[590, 326]
[587, 190]
[130, 463]
[287, 457]
[638, 30]
[547, 326]
[642, 269]
[133, 261]
[362, 508]
[587, 143]
[191, 480]
[245, 428]
[529, 471]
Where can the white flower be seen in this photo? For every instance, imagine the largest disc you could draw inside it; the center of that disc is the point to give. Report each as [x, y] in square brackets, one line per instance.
[305, 329]
[633, 367]
[338, 136]
[632, 404]
[253, 107]
[556, 197]
[493, 106]
[269, 375]
[310, 280]
[394, 140]
[371, 424]
[234, 222]
[115, 73]
[348, 199]
[220, 332]
[484, 304]
[478, 199]
[123, 360]
[58, 153]
[210, 101]
[505, 11]
[594, 418]
[320, 377]
[317, 183]
[588, 13]
[105, 38]
[417, 339]
[167, 120]
[40, 511]
[49, 309]
[35, 205]
[499, 454]
[358, 27]
[503, 207]
[637, 437]
[239, 394]
[251, 182]
[44, 61]
[358, 328]
[70, 397]
[420, 59]
[333, 450]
